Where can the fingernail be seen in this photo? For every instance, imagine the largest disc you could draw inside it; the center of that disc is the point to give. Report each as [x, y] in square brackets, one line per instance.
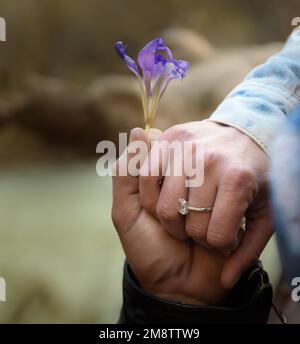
[136, 134]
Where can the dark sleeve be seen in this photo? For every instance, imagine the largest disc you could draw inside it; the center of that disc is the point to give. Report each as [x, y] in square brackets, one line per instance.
[249, 302]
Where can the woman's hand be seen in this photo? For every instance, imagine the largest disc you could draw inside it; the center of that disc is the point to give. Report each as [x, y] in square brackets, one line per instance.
[234, 184]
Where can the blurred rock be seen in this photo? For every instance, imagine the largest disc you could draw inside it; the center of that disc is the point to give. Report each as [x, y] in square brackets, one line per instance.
[258, 54]
[52, 107]
[68, 117]
[60, 113]
[208, 82]
[7, 108]
[188, 45]
[117, 98]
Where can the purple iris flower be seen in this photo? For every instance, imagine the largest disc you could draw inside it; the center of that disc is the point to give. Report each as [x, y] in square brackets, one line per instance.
[156, 68]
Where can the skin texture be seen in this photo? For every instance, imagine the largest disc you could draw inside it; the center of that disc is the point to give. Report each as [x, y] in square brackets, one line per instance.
[177, 270]
[235, 170]
[194, 259]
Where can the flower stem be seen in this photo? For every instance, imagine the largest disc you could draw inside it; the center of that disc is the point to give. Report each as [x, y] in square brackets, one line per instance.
[147, 126]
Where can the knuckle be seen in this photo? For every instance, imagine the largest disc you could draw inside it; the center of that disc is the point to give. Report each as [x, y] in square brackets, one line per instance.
[163, 212]
[195, 231]
[173, 131]
[219, 240]
[240, 177]
[145, 181]
[176, 132]
[211, 158]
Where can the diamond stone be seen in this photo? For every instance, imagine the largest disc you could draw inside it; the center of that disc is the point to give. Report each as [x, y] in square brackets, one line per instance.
[183, 206]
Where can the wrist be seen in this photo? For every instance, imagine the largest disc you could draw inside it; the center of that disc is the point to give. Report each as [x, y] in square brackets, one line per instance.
[249, 302]
[199, 285]
[173, 297]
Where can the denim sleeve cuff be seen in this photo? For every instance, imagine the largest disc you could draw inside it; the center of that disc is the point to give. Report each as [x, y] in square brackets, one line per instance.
[258, 108]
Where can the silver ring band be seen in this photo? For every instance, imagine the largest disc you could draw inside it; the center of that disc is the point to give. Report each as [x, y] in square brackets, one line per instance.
[184, 207]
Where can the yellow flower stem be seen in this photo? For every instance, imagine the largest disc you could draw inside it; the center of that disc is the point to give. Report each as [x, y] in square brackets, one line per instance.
[147, 126]
[144, 101]
[150, 105]
[152, 109]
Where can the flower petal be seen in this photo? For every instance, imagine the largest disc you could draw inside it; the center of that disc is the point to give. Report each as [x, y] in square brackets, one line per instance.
[148, 55]
[121, 49]
[177, 68]
[160, 62]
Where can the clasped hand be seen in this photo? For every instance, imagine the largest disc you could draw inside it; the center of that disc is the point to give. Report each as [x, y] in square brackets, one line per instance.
[196, 258]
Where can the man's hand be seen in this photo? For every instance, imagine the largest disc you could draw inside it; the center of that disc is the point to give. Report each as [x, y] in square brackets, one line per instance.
[178, 270]
[234, 171]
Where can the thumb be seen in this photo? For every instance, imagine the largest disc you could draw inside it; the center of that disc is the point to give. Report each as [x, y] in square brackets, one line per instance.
[259, 229]
[136, 152]
[126, 205]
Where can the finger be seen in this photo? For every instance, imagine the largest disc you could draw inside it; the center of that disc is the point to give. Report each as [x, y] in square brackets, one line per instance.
[258, 233]
[196, 223]
[126, 204]
[172, 189]
[125, 169]
[125, 180]
[150, 179]
[234, 194]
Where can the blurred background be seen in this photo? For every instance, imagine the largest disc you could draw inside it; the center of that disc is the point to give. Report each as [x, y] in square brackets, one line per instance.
[62, 90]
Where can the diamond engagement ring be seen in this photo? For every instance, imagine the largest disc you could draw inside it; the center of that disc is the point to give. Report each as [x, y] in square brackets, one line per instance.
[184, 207]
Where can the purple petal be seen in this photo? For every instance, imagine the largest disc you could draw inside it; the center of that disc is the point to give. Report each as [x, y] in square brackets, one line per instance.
[173, 69]
[177, 68]
[121, 49]
[147, 57]
[160, 62]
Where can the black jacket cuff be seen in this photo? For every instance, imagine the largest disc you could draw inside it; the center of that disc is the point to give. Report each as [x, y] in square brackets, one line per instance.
[249, 302]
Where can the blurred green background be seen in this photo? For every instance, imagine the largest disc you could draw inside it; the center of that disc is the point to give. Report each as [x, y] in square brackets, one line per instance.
[62, 90]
